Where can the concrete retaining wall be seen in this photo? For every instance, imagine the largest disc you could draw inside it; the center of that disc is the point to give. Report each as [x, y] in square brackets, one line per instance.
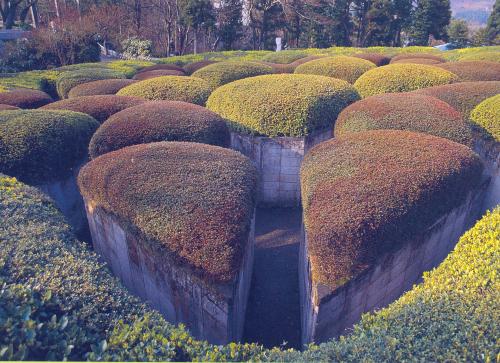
[327, 313]
[214, 312]
[489, 151]
[278, 160]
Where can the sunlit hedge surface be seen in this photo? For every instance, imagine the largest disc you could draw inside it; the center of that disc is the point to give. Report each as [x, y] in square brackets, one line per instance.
[347, 68]
[487, 116]
[159, 121]
[282, 104]
[101, 87]
[25, 98]
[157, 73]
[69, 79]
[474, 70]
[404, 111]
[172, 88]
[195, 201]
[38, 146]
[284, 57]
[162, 67]
[221, 73]
[428, 61]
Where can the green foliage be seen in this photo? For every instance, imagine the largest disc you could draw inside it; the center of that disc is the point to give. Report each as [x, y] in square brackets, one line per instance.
[493, 25]
[458, 33]
[172, 88]
[69, 79]
[40, 80]
[483, 56]
[430, 17]
[401, 78]
[40, 146]
[220, 73]
[271, 105]
[284, 57]
[346, 68]
[136, 48]
[487, 116]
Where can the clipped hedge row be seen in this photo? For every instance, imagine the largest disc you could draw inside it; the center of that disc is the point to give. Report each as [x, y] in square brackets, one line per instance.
[375, 58]
[401, 78]
[159, 121]
[4, 107]
[404, 111]
[487, 116]
[99, 107]
[474, 70]
[376, 212]
[193, 67]
[69, 79]
[220, 73]
[205, 230]
[101, 87]
[25, 98]
[162, 67]
[282, 104]
[427, 61]
[414, 56]
[482, 56]
[39, 146]
[157, 73]
[346, 68]
[172, 88]
[284, 57]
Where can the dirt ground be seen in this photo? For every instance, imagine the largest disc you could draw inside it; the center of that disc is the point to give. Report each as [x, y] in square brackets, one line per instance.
[273, 311]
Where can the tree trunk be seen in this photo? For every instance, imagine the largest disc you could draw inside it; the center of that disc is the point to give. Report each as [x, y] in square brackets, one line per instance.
[195, 41]
[56, 5]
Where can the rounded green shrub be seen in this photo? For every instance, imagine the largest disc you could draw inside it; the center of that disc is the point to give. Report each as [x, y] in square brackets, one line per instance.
[172, 88]
[481, 56]
[157, 73]
[284, 57]
[38, 146]
[401, 78]
[67, 80]
[99, 107]
[414, 56]
[159, 121]
[282, 104]
[469, 71]
[404, 111]
[101, 87]
[4, 107]
[384, 188]
[25, 98]
[206, 191]
[347, 68]
[193, 67]
[376, 58]
[487, 116]
[221, 73]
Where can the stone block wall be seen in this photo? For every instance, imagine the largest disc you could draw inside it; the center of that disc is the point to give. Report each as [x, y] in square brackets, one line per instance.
[489, 151]
[278, 161]
[327, 313]
[214, 312]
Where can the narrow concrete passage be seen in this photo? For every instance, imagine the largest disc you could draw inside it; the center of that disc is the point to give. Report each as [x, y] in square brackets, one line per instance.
[273, 310]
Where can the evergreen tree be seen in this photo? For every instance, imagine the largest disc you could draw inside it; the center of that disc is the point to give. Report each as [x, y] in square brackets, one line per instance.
[458, 33]
[229, 26]
[198, 14]
[430, 17]
[493, 25]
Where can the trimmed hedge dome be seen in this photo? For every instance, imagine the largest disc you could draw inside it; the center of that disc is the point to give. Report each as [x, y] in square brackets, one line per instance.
[284, 57]
[401, 78]
[159, 121]
[164, 67]
[67, 80]
[193, 67]
[195, 201]
[474, 70]
[157, 73]
[413, 56]
[347, 68]
[25, 98]
[417, 61]
[172, 88]
[99, 107]
[101, 87]
[481, 56]
[463, 96]
[375, 58]
[38, 146]
[221, 73]
[4, 107]
[404, 111]
[487, 116]
[282, 104]
[375, 212]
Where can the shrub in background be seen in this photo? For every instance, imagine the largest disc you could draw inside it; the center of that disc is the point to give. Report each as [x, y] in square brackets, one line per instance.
[483, 56]
[417, 56]
[284, 57]
[193, 67]
[225, 72]
[67, 80]
[157, 73]
[347, 68]
[4, 107]
[375, 58]
[417, 61]
[487, 116]
[473, 70]
[162, 67]
[25, 98]
[136, 48]
[101, 87]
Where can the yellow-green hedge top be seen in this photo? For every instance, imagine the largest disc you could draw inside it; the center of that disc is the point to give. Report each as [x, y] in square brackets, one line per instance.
[220, 73]
[487, 116]
[402, 78]
[282, 104]
[347, 68]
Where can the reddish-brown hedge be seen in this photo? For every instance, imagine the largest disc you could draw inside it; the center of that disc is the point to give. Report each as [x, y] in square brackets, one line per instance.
[99, 107]
[474, 70]
[429, 61]
[193, 201]
[463, 96]
[25, 98]
[371, 192]
[101, 87]
[193, 67]
[404, 111]
[157, 73]
[159, 121]
[4, 107]
[376, 58]
[417, 56]
[166, 67]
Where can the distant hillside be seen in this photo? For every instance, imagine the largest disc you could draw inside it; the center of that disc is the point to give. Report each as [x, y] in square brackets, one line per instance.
[476, 12]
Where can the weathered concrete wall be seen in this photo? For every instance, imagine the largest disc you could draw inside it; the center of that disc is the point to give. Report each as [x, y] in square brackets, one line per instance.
[489, 151]
[278, 160]
[214, 312]
[327, 313]
[68, 199]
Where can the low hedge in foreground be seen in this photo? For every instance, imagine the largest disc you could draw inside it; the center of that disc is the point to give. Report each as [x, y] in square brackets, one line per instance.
[346, 68]
[195, 201]
[159, 121]
[401, 78]
[172, 88]
[157, 73]
[101, 87]
[423, 178]
[487, 116]
[404, 111]
[414, 56]
[284, 57]
[39, 146]
[474, 70]
[193, 67]
[282, 104]
[375, 58]
[221, 73]
[67, 80]
[99, 107]
[463, 96]
[25, 98]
